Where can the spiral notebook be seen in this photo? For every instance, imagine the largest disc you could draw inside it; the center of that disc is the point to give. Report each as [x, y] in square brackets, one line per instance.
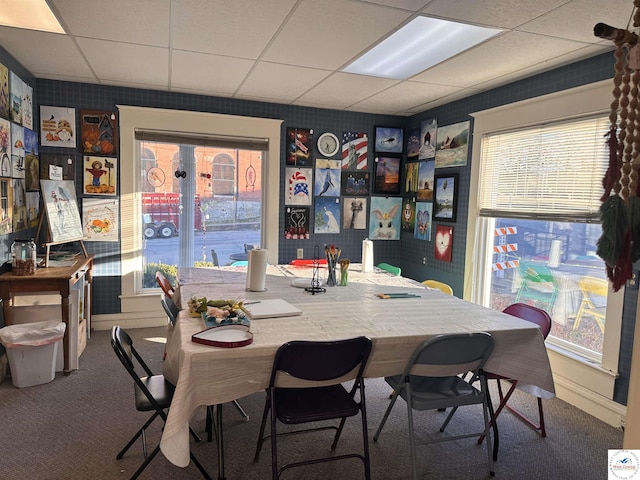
[272, 308]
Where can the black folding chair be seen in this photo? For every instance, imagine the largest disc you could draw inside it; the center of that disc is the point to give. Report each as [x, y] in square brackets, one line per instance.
[170, 308]
[152, 394]
[328, 362]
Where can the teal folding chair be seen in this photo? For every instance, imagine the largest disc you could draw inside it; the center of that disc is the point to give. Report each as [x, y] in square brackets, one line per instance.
[390, 268]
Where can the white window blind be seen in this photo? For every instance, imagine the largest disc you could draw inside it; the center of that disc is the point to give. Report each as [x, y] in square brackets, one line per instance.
[548, 172]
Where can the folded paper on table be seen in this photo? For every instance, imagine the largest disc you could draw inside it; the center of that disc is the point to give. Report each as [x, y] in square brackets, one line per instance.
[271, 308]
[257, 270]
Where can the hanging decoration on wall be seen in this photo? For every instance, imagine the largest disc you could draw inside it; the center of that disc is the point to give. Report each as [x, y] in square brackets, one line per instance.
[619, 245]
[250, 177]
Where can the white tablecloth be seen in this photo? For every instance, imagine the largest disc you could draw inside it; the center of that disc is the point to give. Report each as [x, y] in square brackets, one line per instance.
[206, 375]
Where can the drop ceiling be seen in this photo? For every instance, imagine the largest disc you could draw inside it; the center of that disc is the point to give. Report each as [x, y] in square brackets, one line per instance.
[292, 51]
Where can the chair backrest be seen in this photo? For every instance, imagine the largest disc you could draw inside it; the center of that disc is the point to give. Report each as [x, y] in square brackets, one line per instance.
[451, 354]
[248, 246]
[321, 361]
[214, 258]
[443, 287]
[170, 308]
[536, 273]
[164, 284]
[531, 314]
[390, 268]
[593, 286]
[126, 353]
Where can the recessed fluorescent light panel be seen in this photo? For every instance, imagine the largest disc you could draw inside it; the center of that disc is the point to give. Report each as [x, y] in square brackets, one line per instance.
[29, 14]
[420, 44]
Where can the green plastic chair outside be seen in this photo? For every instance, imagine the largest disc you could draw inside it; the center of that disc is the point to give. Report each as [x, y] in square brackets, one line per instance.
[538, 287]
[390, 268]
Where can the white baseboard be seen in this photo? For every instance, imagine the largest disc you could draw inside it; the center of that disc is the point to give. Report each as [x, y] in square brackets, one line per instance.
[129, 320]
[610, 412]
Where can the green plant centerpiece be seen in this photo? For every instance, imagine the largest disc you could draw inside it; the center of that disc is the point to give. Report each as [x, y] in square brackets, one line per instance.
[222, 310]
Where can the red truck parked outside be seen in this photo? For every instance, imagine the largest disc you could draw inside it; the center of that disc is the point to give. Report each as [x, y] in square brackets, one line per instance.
[160, 212]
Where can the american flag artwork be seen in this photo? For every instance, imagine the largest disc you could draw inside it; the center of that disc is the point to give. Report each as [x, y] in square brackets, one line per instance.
[354, 150]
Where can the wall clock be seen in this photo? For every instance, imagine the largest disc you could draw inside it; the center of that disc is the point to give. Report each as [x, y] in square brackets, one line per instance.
[328, 144]
[155, 176]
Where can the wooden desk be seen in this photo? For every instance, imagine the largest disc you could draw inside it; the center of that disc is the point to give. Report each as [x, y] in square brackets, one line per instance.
[51, 279]
[206, 375]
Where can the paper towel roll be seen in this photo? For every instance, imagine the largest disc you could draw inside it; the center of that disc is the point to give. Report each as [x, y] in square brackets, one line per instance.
[554, 253]
[367, 255]
[257, 270]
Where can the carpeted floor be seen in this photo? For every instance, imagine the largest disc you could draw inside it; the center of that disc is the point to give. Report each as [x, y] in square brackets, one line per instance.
[73, 427]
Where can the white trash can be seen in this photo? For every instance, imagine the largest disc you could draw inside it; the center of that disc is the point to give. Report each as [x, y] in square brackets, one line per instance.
[32, 349]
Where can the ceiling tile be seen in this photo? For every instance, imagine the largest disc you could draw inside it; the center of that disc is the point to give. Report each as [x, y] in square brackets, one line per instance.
[43, 53]
[241, 28]
[548, 64]
[498, 13]
[457, 95]
[198, 71]
[330, 33]
[404, 95]
[344, 89]
[507, 53]
[143, 21]
[575, 20]
[127, 62]
[280, 82]
[412, 5]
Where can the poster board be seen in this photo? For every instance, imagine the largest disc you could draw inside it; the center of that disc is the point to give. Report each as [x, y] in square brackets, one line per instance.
[62, 211]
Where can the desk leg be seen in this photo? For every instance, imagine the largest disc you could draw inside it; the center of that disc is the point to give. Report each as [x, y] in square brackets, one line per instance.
[65, 340]
[219, 439]
[6, 308]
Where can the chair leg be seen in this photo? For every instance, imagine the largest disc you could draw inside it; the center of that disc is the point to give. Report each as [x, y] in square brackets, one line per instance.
[241, 410]
[394, 397]
[539, 427]
[503, 401]
[365, 435]
[489, 421]
[412, 440]
[274, 444]
[338, 433]
[135, 437]
[199, 466]
[209, 423]
[145, 463]
[263, 424]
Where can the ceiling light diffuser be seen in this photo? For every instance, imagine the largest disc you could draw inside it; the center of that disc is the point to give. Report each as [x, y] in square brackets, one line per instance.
[29, 14]
[419, 45]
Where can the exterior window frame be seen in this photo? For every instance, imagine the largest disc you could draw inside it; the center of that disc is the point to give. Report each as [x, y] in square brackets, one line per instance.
[591, 99]
[138, 304]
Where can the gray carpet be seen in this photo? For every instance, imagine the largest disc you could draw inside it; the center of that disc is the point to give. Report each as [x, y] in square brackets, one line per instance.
[73, 427]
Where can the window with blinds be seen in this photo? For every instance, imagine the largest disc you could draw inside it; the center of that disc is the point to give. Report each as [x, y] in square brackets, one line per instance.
[548, 172]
